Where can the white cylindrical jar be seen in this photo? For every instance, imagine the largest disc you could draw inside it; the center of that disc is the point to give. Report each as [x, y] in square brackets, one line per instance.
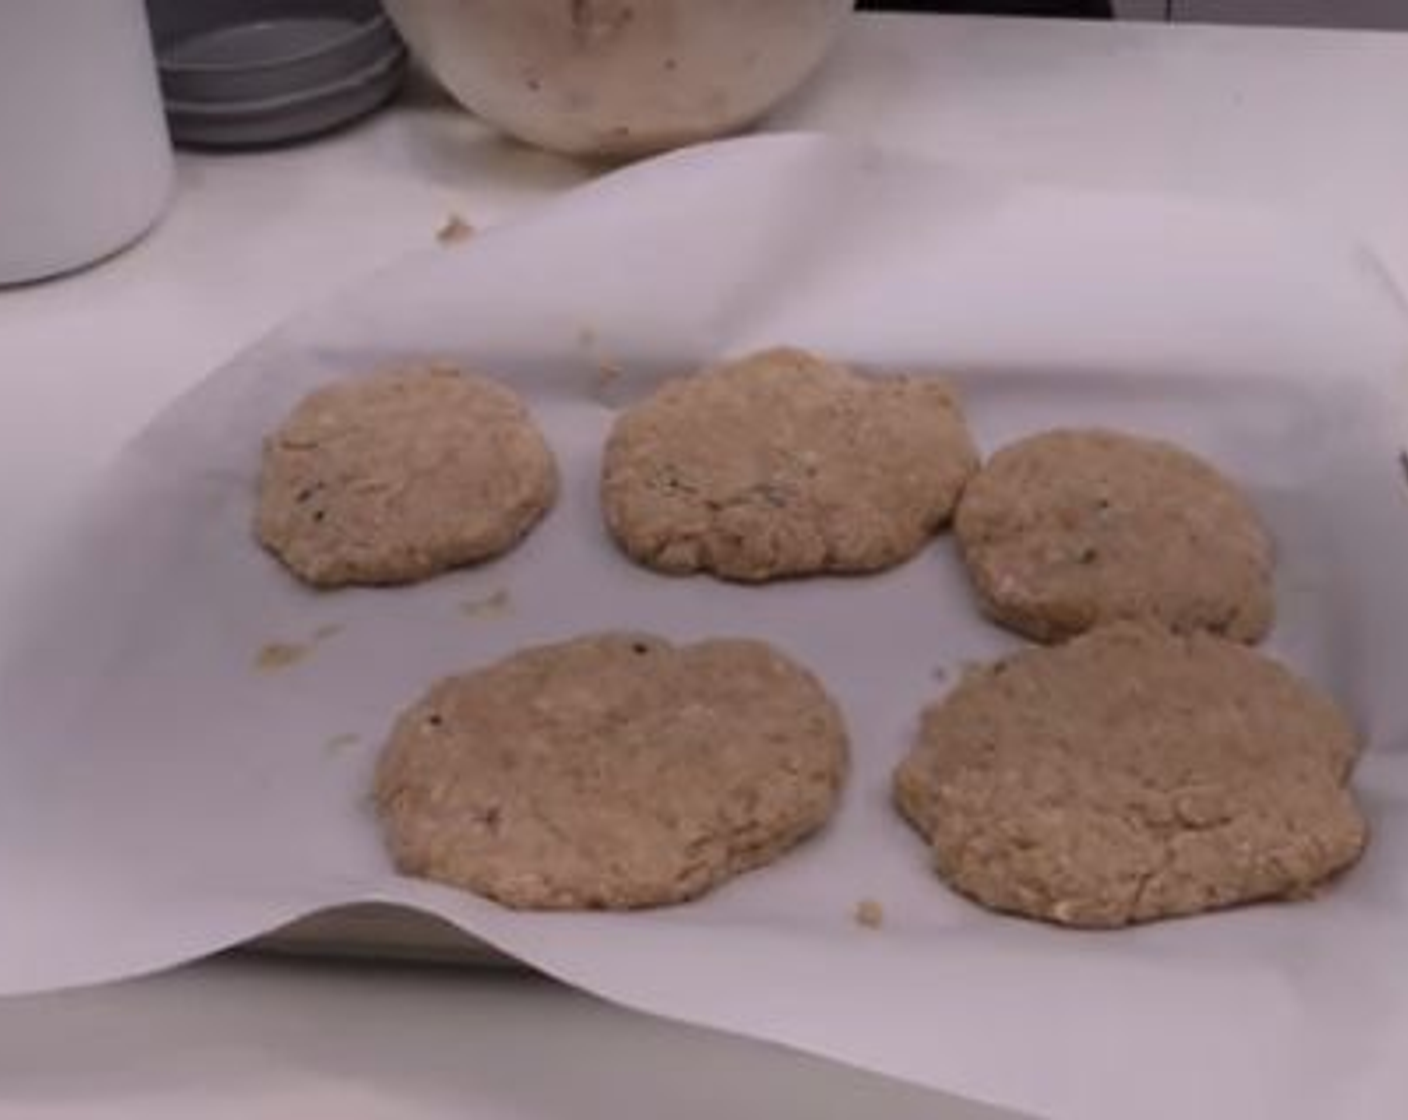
[85, 161]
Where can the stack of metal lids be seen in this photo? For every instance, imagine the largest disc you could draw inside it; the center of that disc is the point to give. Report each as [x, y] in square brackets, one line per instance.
[243, 73]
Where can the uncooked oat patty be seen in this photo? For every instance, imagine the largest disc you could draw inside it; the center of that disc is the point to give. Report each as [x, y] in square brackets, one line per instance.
[401, 475]
[1130, 775]
[612, 771]
[782, 464]
[1072, 528]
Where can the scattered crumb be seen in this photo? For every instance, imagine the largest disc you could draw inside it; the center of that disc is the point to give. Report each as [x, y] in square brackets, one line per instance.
[606, 371]
[1403, 463]
[940, 673]
[455, 230]
[280, 655]
[869, 913]
[607, 374]
[339, 743]
[490, 606]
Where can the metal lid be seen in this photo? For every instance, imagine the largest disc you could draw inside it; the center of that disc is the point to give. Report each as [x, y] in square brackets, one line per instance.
[249, 72]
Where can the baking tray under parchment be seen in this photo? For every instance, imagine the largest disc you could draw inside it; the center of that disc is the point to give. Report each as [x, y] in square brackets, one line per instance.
[163, 794]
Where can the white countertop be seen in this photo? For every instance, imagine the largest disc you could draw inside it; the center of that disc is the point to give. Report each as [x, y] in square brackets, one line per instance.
[1308, 119]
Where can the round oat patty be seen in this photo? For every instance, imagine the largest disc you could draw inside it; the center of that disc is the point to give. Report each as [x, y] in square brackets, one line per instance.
[400, 475]
[782, 464]
[1073, 528]
[612, 771]
[1130, 775]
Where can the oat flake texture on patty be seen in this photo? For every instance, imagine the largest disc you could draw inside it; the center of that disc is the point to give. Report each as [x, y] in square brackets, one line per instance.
[783, 464]
[1133, 774]
[1069, 529]
[400, 475]
[611, 771]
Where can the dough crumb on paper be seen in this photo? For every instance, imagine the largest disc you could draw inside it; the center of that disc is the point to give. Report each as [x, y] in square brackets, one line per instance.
[608, 373]
[454, 231]
[869, 913]
[605, 371]
[280, 655]
[338, 743]
[493, 605]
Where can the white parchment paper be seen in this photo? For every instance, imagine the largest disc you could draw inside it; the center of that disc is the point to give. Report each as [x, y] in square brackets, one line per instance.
[161, 796]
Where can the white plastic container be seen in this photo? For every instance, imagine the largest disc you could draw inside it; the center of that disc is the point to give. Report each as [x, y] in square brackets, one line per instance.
[619, 77]
[85, 161]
